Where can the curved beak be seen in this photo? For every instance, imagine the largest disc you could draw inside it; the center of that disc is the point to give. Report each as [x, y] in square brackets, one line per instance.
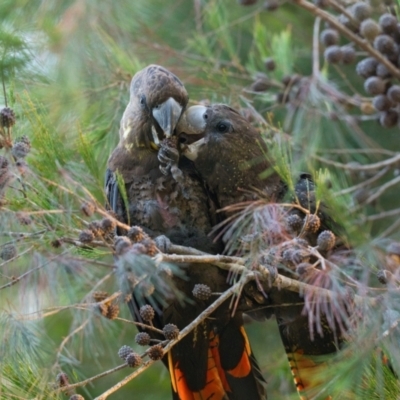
[192, 124]
[167, 115]
[192, 121]
[191, 151]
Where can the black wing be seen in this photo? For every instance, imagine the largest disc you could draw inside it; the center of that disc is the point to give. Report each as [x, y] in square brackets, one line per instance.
[115, 202]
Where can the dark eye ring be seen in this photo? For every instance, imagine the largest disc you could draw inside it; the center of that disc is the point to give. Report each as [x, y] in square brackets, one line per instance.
[222, 127]
[205, 116]
[142, 99]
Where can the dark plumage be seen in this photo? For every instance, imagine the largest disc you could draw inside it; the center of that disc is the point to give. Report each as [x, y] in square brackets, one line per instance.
[157, 99]
[165, 197]
[230, 156]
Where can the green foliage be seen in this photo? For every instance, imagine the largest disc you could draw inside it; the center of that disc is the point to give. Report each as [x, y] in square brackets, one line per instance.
[14, 54]
[281, 154]
[23, 349]
[52, 152]
[122, 189]
[66, 68]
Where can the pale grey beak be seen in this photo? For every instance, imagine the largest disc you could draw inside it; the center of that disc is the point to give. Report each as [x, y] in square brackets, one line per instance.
[191, 151]
[167, 115]
[192, 121]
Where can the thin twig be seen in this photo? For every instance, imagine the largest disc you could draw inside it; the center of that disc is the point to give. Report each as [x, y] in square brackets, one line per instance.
[98, 209]
[382, 189]
[205, 314]
[364, 183]
[381, 164]
[344, 11]
[362, 43]
[68, 337]
[144, 326]
[20, 238]
[93, 378]
[4, 88]
[198, 16]
[207, 258]
[31, 271]
[359, 151]
[22, 235]
[389, 230]
[315, 50]
[88, 246]
[263, 273]
[174, 248]
[92, 261]
[383, 214]
[16, 257]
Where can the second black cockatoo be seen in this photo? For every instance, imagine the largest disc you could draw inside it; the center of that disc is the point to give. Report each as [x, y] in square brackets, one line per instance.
[164, 198]
[232, 158]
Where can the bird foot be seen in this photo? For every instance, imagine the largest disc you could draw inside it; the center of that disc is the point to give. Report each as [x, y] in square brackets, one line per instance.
[168, 156]
[177, 174]
[165, 169]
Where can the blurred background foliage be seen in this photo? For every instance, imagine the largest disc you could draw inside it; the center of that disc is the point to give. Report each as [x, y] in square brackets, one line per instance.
[66, 67]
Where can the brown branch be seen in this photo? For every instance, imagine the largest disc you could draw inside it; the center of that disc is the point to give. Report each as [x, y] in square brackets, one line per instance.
[362, 43]
[382, 189]
[21, 235]
[18, 278]
[98, 209]
[384, 214]
[343, 10]
[182, 334]
[4, 87]
[359, 151]
[44, 212]
[206, 258]
[88, 246]
[93, 378]
[145, 326]
[258, 272]
[315, 49]
[389, 230]
[16, 257]
[92, 261]
[364, 183]
[106, 214]
[198, 16]
[68, 337]
[261, 272]
[206, 313]
[124, 381]
[174, 248]
[381, 164]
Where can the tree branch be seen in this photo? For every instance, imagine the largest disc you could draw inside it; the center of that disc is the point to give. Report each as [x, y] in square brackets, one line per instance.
[362, 43]
[205, 314]
[262, 273]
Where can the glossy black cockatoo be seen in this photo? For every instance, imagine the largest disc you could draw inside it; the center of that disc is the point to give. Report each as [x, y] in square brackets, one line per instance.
[165, 197]
[232, 158]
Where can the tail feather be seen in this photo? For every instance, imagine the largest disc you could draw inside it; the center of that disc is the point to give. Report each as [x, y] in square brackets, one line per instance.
[213, 390]
[308, 359]
[214, 348]
[308, 375]
[231, 375]
[239, 364]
